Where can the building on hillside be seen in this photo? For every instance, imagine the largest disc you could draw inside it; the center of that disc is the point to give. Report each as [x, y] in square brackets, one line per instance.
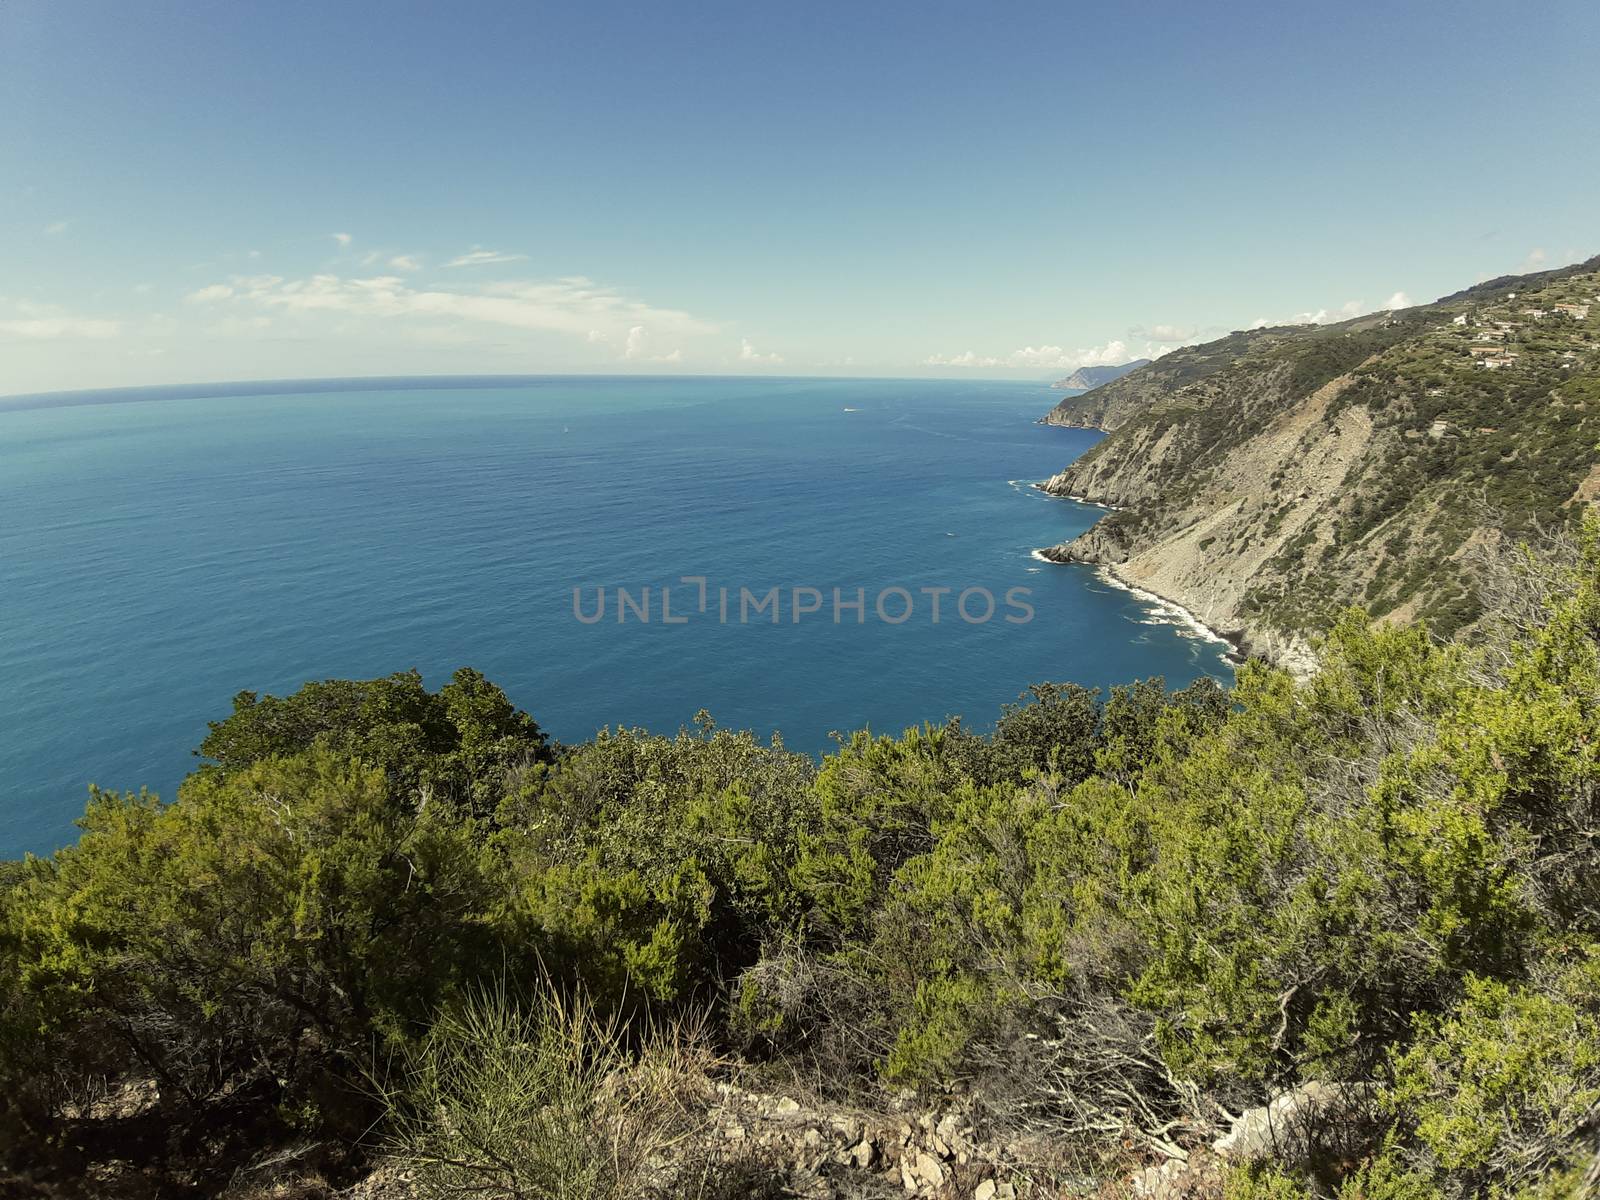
[1461, 320]
[1578, 312]
[1482, 351]
[1535, 313]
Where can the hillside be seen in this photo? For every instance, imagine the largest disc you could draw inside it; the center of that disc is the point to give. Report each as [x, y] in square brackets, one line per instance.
[1272, 477]
[1088, 377]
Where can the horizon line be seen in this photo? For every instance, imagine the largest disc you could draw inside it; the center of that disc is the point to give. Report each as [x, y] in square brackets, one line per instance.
[129, 394]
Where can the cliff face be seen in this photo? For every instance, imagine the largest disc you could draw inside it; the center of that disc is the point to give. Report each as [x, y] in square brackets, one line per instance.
[1269, 479]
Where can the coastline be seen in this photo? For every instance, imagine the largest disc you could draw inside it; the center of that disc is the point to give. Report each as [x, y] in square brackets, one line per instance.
[1291, 655]
[1045, 420]
[1078, 499]
[1161, 607]
[1170, 610]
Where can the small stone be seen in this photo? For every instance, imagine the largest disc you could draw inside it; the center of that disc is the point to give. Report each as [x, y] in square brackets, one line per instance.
[941, 1147]
[908, 1176]
[985, 1190]
[812, 1138]
[1165, 1182]
[864, 1154]
[734, 1133]
[1287, 1129]
[929, 1170]
[787, 1106]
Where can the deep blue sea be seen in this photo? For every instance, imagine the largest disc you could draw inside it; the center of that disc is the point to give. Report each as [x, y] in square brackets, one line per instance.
[159, 555]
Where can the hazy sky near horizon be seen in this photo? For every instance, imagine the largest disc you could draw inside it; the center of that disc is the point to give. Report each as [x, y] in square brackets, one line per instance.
[198, 191]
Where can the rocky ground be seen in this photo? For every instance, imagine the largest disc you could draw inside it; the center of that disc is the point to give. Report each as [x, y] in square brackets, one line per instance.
[793, 1145]
[820, 1151]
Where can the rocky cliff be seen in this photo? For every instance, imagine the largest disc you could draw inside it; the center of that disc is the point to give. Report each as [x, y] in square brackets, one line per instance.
[1269, 479]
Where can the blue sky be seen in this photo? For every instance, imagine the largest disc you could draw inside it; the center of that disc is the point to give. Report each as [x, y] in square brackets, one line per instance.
[203, 191]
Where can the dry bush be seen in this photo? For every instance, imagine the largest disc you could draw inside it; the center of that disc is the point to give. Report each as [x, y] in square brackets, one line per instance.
[822, 1022]
[1518, 584]
[514, 1101]
[1098, 1080]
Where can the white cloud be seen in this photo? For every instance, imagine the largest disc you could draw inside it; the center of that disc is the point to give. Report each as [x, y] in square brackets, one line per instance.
[342, 238]
[749, 354]
[483, 258]
[210, 294]
[1398, 300]
[395, 262]
[55, 227]
[1166, 333]
[1057, 358]
[637, 343]
[38, 328]
[575, 305]
[1322, 316]
[1041, 358]
[965, 359]
[1535, 260]
[32, 308]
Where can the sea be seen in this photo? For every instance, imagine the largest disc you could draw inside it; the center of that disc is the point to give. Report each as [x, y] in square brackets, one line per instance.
[795, 556]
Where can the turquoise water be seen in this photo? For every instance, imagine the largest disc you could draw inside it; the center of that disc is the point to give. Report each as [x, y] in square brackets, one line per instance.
[158, 556]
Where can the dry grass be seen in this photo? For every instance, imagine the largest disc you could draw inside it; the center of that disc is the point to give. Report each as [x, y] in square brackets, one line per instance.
[547, 1099]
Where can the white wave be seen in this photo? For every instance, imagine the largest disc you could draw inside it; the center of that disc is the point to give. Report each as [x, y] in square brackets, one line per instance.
[1164, 611]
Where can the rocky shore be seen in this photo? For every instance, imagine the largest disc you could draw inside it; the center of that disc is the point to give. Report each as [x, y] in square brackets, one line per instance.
[1162, 606]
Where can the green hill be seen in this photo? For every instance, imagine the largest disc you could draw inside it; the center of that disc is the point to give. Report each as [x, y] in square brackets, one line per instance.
[1267, 479]
[1089, 377]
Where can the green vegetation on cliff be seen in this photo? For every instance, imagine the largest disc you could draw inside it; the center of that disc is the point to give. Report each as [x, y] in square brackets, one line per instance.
[1114, 921]
[1358, 463]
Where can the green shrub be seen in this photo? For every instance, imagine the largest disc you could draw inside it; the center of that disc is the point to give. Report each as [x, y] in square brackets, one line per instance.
[462, 744]
[1500, 1090]
[274, 919]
